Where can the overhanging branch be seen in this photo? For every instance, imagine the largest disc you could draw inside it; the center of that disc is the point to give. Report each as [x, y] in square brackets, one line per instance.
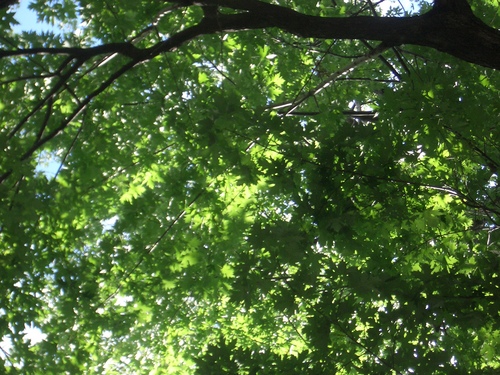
[450, 27]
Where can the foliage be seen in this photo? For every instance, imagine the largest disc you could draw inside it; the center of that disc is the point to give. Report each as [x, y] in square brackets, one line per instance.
[248, 203]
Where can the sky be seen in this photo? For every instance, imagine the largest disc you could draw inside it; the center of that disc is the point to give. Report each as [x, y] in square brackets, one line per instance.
[27, 19]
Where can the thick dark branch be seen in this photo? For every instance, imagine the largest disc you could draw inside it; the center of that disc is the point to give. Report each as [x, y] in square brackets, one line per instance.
[450, 27]
[264, 15]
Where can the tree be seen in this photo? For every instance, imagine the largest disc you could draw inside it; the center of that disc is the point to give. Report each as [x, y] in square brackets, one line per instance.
[240, 187]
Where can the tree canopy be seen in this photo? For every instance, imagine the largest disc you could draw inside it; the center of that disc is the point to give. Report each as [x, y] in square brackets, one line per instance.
[250, 187]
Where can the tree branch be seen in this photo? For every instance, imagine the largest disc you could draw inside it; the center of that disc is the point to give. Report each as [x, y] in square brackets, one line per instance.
[450, 27]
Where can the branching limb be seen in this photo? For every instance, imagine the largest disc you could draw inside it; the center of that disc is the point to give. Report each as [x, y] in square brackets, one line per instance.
[291, 106]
